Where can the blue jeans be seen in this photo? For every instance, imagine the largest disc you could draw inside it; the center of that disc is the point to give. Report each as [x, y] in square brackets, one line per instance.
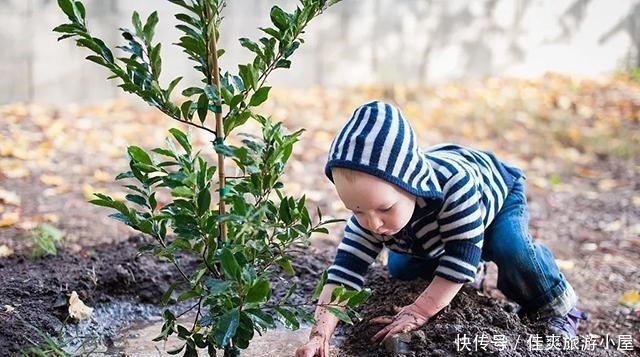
[527, 271]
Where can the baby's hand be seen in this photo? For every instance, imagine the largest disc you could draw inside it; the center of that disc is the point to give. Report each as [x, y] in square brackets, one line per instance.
[408, 318]
[318, 346]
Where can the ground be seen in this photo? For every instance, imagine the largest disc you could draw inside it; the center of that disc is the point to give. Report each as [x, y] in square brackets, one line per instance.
[576, 139]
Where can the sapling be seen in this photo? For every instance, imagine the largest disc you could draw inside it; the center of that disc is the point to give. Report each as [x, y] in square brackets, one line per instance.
[248, 238]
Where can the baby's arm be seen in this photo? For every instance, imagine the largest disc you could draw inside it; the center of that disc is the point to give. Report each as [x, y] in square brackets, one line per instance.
[323, 329]
[436, 296]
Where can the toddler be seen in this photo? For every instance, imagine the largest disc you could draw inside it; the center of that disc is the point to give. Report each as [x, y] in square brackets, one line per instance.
[441, 212]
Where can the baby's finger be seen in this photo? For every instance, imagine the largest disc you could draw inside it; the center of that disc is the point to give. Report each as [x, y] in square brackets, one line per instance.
[381, 320]
[399, 328]
[305, 351]
[378, 336]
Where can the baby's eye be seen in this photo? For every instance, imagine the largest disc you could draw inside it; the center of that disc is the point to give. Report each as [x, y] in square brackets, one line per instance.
[387, 209]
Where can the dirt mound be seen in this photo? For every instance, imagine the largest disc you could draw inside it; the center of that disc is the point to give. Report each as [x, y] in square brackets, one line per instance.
[473, 324]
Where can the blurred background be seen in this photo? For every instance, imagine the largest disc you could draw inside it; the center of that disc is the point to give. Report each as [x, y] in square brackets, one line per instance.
[415, 42]
[552, 86]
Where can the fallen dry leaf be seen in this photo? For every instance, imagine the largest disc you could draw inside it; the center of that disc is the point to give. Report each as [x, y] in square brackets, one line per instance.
[77, 309]
[9, 197]
[50, 217]
[9, 309]
[52, 180]
[630, 299]
[102, 176]
[5, 251]
[565, 264]
[9, 218]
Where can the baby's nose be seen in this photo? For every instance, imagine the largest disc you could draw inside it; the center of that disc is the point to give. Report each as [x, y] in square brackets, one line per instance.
[375, 224]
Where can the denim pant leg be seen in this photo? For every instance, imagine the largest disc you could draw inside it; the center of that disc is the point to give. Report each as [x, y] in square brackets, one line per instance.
[527, 271]
[407, 267]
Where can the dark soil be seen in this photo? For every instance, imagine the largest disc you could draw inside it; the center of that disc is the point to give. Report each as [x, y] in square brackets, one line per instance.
[471, 314]
[38, 289]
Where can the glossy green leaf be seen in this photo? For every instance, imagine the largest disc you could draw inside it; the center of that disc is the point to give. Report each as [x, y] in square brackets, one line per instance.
[138, 154]
[182, 139]
[230, 264]
[259, 96]
[226, 327]
[259, 291]
[340, 314]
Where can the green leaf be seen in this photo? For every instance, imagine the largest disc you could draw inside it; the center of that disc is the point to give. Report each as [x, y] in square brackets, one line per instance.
[189, 294]
[226, 327]
[259, 291]
[359, 298]
[79, 10]
[156, 61]
[211, 92]
[259, 96]
[45, 236]
[261, 318]
[230, 264]
[182, 139]
[272, 32]
[337, 293]
[188, 92]
[235, 121]
[283, 211]
[340, 314]
[217, 286]
[227, 96]
[289, 51]
[137, 199]
[137, 23]
[165, 152]
[203, 107]
[250, 45]
[67, 8]
[67, 28]
[171, 86]
[285, 264]
[283, 63]
[319, 286]
[279, 18]
[204, 200]
[248, 75]
[182, 191]
[149, 27]
[138, 154]
[289, 318]
[185, 109]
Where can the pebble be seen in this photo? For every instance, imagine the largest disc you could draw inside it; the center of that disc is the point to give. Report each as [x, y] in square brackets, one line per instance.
[398, 344]
[420, 336]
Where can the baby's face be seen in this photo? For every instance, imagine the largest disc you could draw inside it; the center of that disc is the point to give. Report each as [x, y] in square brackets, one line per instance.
[379, 206]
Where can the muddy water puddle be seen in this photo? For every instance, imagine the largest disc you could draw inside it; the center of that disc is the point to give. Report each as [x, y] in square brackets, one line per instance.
[137, 341]
[134, 326]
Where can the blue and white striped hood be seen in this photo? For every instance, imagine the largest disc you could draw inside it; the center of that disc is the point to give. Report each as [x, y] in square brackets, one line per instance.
[379, 141]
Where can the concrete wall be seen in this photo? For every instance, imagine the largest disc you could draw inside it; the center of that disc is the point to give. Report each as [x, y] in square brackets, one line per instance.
[356, 42]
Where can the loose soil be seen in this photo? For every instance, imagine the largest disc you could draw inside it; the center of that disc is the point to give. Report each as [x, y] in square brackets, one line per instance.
[37, 290]
[106, 273]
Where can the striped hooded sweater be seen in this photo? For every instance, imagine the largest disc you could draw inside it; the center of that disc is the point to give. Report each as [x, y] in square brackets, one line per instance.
[458, 193]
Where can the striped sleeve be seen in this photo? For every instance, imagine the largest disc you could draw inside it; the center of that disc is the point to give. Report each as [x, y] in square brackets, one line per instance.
[461, 229]
[355, 253]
